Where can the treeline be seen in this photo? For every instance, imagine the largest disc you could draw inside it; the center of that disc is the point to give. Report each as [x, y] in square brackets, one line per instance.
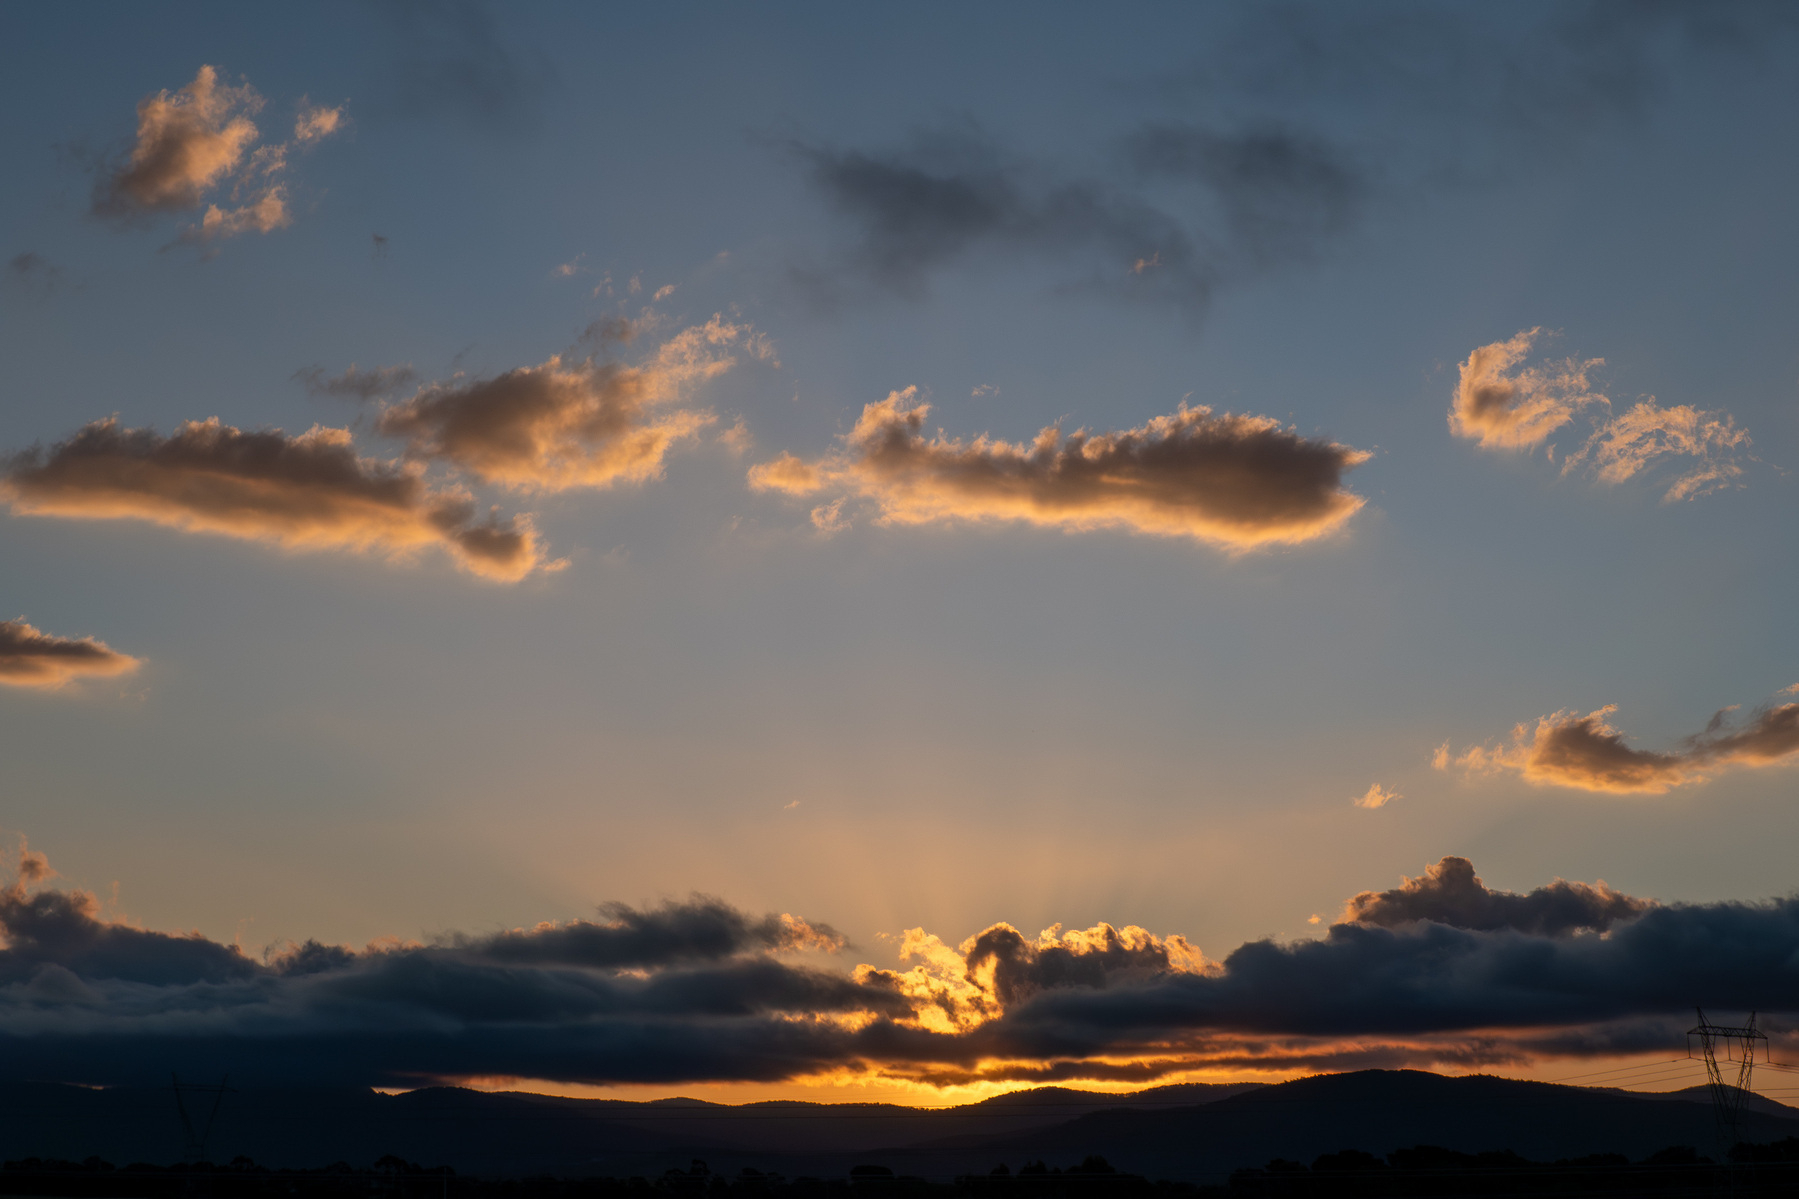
[1417, 1173]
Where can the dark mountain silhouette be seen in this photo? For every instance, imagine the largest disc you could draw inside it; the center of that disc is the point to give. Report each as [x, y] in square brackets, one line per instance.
[1195, 1133]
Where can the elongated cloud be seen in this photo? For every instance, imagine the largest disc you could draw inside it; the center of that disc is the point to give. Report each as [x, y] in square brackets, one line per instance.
[1500, 403]
[1439, 970]
[192, 143]
[306, 492]
[30, 657]
[1451, 893]
[564, 425]
[1567, 749]
[1234, 481]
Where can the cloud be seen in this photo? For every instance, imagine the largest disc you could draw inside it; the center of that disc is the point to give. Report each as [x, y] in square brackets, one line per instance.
[306, 492]
[1502, 404]
[356, 384]
[316, 122]
[1634, 441]
[1376, 796]
[1279, 136]
[1234, 481]
[33, 269]
[187, 142]
[197, 140]
[30, 657]
[1567, 749]
[954, 194]
[1440, 970]
[1450, 893]
[453, 64]
[563, 424]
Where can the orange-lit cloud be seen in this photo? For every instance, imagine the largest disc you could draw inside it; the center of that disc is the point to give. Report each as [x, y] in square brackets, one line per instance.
[1648, 433]
[30, 657]
[306, 492]
[564, 425]
[1567, 749]
[196, 140]
[1376, 796]
[1233, 481]
[1503, 404]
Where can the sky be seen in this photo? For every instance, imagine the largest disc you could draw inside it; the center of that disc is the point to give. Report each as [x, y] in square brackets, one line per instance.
[650, 550]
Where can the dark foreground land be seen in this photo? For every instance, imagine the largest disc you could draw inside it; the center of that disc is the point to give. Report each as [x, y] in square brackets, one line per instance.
[1369, 1133]
[1751, 1170]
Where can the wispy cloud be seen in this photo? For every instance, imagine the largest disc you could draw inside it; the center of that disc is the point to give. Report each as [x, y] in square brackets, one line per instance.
[356, 384]
[30, 657]
[1233, 481]
[1503, 404]
[1567, 749]
[192, 143]
[569, 424]
[310, 491]
[1376, 796]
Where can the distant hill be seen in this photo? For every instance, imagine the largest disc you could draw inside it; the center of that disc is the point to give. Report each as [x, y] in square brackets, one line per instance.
[1196, 1133]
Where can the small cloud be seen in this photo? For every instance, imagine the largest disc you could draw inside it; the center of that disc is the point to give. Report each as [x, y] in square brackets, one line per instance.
[663, 292]
[636, 284]
[1314, 918]
[34, 270]
[1504, 405]
[1376, 797]
[737, 438]
[563, 425]
[828, 519]
[1440, 759]
[790, 805]
[30, 657]
[355, 383]
[1146, 264]
[983, 391]
[196, 141]
[316, 122]
[570, 268]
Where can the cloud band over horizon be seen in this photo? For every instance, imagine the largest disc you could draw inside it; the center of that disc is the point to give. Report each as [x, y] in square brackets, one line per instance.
[1441, 969]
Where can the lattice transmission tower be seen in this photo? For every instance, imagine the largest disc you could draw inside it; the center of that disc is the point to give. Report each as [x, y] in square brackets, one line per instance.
[1736, 1045]
[194, 1150]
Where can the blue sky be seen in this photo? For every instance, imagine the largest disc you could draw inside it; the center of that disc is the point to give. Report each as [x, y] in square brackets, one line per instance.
[958, 720]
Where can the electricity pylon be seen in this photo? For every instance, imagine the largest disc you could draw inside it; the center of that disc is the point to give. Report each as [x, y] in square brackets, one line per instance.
[195, 1148]
[1738, 1045]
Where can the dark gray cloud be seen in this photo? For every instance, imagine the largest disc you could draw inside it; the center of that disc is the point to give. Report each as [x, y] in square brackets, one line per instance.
[1311, 114]
[1439, 971]
[356, 384]
[453, 63]
[1451, 893]
[34, 270]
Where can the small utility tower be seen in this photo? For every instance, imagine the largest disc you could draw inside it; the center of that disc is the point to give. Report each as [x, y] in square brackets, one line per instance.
[195, 1148]
[1736, 1045]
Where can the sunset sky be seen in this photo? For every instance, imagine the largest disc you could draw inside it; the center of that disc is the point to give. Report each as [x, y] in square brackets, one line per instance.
[613, 547]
